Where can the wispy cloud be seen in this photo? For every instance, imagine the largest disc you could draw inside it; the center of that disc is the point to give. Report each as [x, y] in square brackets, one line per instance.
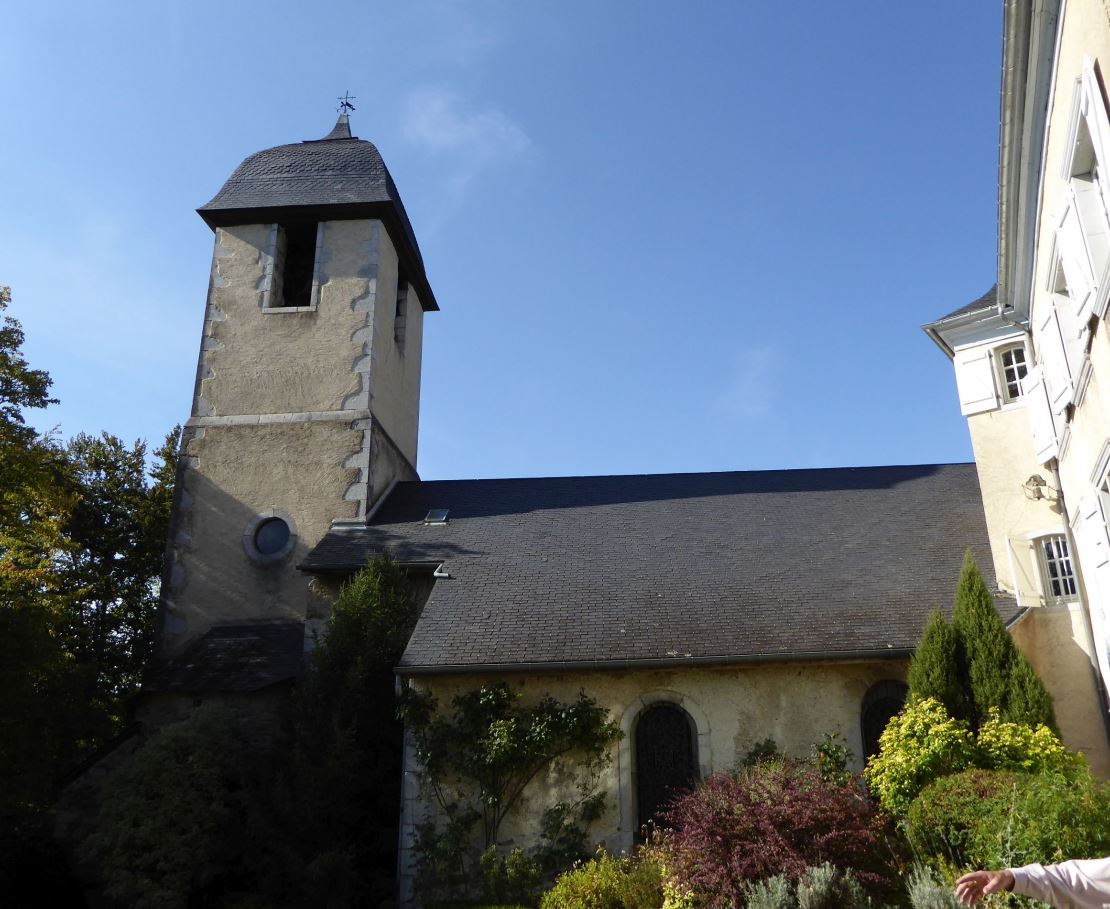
[438, 120]
[748, 386]
[465, 139]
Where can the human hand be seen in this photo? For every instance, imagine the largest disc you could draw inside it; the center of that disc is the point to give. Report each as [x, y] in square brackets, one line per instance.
[974, 886]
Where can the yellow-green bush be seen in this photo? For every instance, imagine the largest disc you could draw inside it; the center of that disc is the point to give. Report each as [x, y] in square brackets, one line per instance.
[1012, 746]
[612, 883]
[923, 743]
[918, 745]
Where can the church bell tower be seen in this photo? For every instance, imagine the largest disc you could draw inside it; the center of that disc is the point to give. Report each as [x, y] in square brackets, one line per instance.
[307, 393]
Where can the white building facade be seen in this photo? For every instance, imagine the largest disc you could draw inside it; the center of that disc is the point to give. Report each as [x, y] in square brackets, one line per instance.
[1032, 356]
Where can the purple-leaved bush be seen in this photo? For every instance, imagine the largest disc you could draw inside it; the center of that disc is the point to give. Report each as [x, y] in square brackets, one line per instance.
[773, 818]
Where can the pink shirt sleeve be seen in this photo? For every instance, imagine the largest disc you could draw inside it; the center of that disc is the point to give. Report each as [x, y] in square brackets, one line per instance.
[1078, 884]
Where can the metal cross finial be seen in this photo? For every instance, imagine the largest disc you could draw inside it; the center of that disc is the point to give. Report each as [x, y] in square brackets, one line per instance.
[345, 103]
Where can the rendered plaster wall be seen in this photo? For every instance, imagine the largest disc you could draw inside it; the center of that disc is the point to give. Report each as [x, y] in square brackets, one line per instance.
[234, 474]
[284, 423]
[1004, 460]
[395, 385]
[284, 361]
[1055, 640]
[1084, 32]
[732, 708]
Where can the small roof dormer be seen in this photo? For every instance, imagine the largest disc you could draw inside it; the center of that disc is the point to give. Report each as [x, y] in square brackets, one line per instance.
[339, 177]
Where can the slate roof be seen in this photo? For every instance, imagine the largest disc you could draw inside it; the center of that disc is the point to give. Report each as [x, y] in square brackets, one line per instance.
[989, 300]
[331, 178]
[677, 568]
[238, 658]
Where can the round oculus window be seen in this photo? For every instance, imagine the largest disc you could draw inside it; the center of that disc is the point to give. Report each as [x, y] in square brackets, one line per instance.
[271, 536]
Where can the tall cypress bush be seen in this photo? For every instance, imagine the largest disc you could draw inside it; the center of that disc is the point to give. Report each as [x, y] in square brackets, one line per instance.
[973, 664]
[935, 668]
[987, 649]
[1028, 701]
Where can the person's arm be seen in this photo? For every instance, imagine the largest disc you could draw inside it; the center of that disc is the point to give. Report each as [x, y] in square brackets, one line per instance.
[1082, 884]
[974, 886]
[1075, 884]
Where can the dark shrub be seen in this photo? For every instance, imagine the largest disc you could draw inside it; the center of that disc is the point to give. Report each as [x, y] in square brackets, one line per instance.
[776, 818]
[993, 818]
[952, 814]
[171, 823]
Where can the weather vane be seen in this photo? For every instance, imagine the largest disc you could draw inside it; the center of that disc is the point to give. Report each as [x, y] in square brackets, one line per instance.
[345, 103]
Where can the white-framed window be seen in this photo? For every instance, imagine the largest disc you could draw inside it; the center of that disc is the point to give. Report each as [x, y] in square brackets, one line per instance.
[990, 374]
[1057, 571]
[1012, 366]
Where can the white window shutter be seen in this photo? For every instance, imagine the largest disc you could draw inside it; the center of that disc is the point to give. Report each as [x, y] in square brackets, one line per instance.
[975, 380]
[1095, 111]
[1052, 355]
[1096, 213]
[1094, 549]
[1074, 256]
[1041, 422]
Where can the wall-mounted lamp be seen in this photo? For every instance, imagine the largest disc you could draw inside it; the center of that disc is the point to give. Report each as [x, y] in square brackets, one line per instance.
[1036, 488]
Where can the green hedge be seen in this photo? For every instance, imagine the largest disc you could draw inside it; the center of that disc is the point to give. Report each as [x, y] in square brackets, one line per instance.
[994, 818]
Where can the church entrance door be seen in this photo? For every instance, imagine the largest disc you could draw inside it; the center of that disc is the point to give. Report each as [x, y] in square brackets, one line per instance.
[666, 759]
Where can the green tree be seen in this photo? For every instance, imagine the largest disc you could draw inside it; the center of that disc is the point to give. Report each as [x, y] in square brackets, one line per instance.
[82, 532]
[111, 569]
[39, 686]
[972, 665]
[993, 672]
[1028, 701]
[344, 775]
[296, 807]
[171, 830]
[935, 667]
[20, 386]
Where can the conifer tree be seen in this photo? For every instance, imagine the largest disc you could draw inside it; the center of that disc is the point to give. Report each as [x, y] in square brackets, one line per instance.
[1028, 701]
[935, 668]
[987, 650]
[993, 671]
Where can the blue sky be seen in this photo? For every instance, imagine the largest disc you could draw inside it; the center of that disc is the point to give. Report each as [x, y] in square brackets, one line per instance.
[665, 237]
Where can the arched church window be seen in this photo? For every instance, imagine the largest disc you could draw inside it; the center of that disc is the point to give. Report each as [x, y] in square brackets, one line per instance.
[883, 700]
[666, 758]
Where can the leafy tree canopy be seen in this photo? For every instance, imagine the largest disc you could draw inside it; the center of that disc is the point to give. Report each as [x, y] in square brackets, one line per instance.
[82, 531]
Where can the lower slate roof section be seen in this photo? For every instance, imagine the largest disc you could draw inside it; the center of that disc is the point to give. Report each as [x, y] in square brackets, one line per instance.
[677, 568]
[234, 658]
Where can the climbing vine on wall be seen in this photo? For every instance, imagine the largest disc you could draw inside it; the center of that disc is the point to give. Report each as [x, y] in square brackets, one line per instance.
[479, 757]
